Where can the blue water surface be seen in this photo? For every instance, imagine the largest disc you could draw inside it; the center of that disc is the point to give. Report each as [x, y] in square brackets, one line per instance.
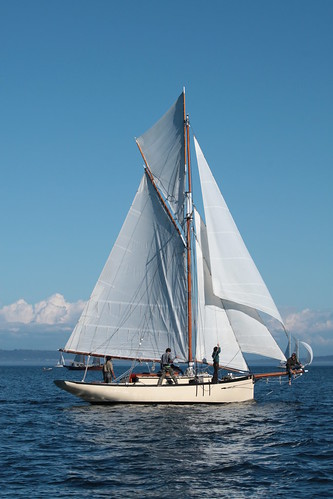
[54, 445]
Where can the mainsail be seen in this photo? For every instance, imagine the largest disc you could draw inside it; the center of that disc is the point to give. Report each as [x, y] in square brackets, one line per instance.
[137, 306]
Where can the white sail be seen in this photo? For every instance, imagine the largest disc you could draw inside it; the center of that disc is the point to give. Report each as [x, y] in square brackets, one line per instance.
[234, 274]
[213, 325]
[251, 332]
[163, 148]
[304, 352]
[309, 356]
[137, 306]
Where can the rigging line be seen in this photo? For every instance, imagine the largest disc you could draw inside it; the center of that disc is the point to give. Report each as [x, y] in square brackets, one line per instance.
[150, 176]
[169, 196]
[144, 330]
[115, 276]
[129, 305]
[171, 307]
[239, 347]
[137, 300]
[168, 199]
[168, 210]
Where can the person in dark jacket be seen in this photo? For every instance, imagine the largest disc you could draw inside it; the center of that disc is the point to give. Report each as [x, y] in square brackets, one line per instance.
[292, 363]
[166, 362]
[216, 362]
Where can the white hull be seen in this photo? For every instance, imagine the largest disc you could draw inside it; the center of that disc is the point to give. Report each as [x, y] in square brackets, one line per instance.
[235, 390]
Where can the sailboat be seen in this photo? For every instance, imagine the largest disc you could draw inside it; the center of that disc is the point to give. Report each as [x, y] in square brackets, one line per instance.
[179, 279]
[82, 362]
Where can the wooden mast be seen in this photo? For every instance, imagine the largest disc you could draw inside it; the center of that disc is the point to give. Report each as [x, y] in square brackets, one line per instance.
[188, 230]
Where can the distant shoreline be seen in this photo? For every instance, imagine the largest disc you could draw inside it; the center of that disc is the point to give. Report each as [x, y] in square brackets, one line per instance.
[49, 358]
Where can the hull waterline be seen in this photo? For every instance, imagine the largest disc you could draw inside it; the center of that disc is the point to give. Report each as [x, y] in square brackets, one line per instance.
[236, 390]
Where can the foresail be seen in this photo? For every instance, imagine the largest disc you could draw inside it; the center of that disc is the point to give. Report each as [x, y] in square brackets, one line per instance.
[137, 307]
[303, 351]
[163, 149]
[251, 332]
[234, 274]
[309, 356]
[236, 327]
[213, 325]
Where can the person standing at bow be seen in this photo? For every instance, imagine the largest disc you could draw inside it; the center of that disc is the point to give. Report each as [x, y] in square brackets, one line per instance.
[166, 361]
[216, 362]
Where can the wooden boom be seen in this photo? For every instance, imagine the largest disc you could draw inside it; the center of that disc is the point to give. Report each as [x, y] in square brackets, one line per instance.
[276, 374]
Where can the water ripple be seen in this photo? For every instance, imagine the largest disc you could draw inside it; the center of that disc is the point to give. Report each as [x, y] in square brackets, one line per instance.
[53, 445]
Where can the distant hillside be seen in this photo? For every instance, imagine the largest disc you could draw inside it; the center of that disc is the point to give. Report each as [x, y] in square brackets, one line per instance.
[29, 357]
[51, 357]
[323, 360]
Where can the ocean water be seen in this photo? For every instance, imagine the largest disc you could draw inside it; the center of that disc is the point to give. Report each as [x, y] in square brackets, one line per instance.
[54, 445]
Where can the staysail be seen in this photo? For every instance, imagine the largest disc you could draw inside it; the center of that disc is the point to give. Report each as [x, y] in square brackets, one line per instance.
[309, 353]
[213, 325]
[137, 306]
[234, 278]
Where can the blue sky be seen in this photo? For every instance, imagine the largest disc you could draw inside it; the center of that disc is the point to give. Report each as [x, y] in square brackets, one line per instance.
[80, 79]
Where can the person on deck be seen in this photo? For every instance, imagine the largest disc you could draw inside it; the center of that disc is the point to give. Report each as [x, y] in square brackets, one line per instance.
[216, 362]
[108, 371]
[166, 361]
[292, 363]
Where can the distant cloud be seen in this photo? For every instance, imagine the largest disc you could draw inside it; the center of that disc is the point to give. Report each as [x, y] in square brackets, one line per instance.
[52, 320]
[310, 320]
[20, 311]
[312, 326]
[54, 310]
